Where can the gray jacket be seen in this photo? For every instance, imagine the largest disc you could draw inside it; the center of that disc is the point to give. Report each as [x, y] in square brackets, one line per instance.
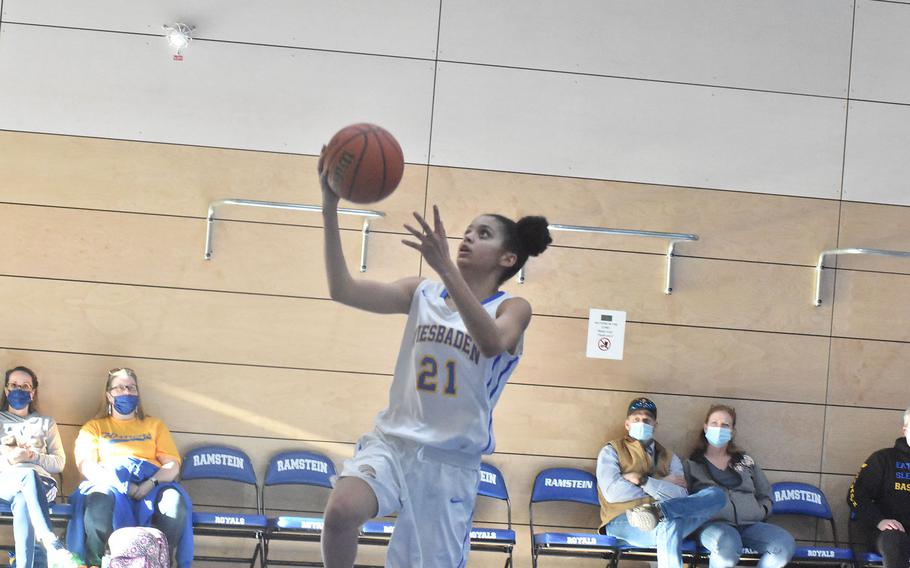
[747, 503]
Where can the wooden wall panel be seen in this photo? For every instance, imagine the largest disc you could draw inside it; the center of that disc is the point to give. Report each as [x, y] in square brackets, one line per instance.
[729, 224]
[681, 360]
[154, 250]
[531, 420]
[104, 268]
[871, 305]
[869, 373]
[852, 434]
[68, 171]
[191, 325]
[867, 225]
[712, 293]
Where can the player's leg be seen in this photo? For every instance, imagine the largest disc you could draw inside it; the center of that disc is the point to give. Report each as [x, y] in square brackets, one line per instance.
[351, 504]
[369, 486]
[433, 528]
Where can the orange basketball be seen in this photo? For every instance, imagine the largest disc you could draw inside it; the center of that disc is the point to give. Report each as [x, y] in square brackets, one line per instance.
[363, 163]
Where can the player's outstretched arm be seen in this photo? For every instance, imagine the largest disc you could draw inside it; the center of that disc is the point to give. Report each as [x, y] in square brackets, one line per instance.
[369, 295]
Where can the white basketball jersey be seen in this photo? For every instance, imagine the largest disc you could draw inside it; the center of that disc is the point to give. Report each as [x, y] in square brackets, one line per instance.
[444, 389]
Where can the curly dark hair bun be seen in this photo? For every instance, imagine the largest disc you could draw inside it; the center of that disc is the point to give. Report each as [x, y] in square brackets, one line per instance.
[534, 234]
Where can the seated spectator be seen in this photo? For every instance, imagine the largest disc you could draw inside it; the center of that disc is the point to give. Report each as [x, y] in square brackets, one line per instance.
[718, 462]
[880, 499]
[30, 453]
[642, 490]
[130, 463]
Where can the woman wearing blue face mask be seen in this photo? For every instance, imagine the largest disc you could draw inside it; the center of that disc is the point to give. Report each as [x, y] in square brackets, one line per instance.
[129, 461]
[30, 453]
[718, 462]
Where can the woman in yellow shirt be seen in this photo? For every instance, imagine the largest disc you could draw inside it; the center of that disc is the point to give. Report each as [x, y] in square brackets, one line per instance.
[129, 461]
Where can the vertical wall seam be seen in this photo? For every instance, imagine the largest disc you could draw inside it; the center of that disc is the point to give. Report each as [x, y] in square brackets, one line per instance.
[840, 209]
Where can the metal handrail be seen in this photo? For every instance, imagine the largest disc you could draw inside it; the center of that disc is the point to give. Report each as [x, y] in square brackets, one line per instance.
[817, 301]
[673, 237]
[365, 213]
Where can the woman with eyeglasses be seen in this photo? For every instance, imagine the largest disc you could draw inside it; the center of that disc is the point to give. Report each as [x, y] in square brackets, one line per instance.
[130, 463]
[30, 455]
[718, 462]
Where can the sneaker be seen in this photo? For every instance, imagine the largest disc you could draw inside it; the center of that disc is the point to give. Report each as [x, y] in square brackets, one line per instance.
[63, 558]
[644, 517]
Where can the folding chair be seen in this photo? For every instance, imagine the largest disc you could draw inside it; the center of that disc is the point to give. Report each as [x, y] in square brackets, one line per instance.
[806, 500]
[493, 486]
[575, 486]
[220, 463]
[296, 468]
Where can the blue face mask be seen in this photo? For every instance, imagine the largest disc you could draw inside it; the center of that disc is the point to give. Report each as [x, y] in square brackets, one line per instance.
[641, 431]
[126, 403]
[19, 399]
[718, 436]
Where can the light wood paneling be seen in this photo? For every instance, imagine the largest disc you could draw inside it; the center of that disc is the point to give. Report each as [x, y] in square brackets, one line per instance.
[70, 171]
[869, 373]
[871, 305]
[534, 421]
[682, 360]
[712, 293]
[191, 325]
[867, 225]
[530, 420]
[729, 224]
[852, 434]
[157, 250]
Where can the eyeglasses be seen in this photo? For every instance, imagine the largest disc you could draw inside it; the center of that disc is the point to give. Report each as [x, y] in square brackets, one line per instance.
[132, 389]
[24, 388]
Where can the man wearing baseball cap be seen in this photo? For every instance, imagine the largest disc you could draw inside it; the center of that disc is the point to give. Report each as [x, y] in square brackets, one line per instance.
[642, 490]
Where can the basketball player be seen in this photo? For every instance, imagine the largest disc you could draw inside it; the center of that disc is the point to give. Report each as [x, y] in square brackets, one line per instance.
[462, 340]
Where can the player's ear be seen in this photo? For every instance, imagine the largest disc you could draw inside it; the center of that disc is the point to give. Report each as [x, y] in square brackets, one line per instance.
[508, 259]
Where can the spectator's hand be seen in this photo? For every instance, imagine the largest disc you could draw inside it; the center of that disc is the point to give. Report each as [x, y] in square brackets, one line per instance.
[890, 525]
[677, 480]
[633, 478]
[19, 455]
[142, 490]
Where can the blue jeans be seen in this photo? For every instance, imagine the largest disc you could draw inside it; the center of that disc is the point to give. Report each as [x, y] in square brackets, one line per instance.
[25, 492]
[726, 541]
[681, 517]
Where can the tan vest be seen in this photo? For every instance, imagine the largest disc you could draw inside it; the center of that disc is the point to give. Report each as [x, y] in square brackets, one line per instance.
[633, 458]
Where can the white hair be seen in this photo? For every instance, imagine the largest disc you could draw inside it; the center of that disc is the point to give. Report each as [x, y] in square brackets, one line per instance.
[907, 416]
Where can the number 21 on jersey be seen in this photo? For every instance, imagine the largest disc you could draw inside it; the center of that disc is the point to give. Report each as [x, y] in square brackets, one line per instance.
[428, 376]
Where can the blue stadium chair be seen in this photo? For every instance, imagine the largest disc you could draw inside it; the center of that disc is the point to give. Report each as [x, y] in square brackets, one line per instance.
[859, 537]
[806, 500]
[211, 463]
[296, 468]
[493, 486]
[572, 486]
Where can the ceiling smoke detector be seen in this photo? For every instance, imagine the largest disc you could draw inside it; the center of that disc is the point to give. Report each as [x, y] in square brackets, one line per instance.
[178, 37]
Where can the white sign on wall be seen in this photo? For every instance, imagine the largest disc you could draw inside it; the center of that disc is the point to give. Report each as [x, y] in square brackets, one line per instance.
[606, 333]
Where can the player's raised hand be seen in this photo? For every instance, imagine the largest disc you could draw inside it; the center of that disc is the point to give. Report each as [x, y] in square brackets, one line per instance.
[432, 244]
[329, 199]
